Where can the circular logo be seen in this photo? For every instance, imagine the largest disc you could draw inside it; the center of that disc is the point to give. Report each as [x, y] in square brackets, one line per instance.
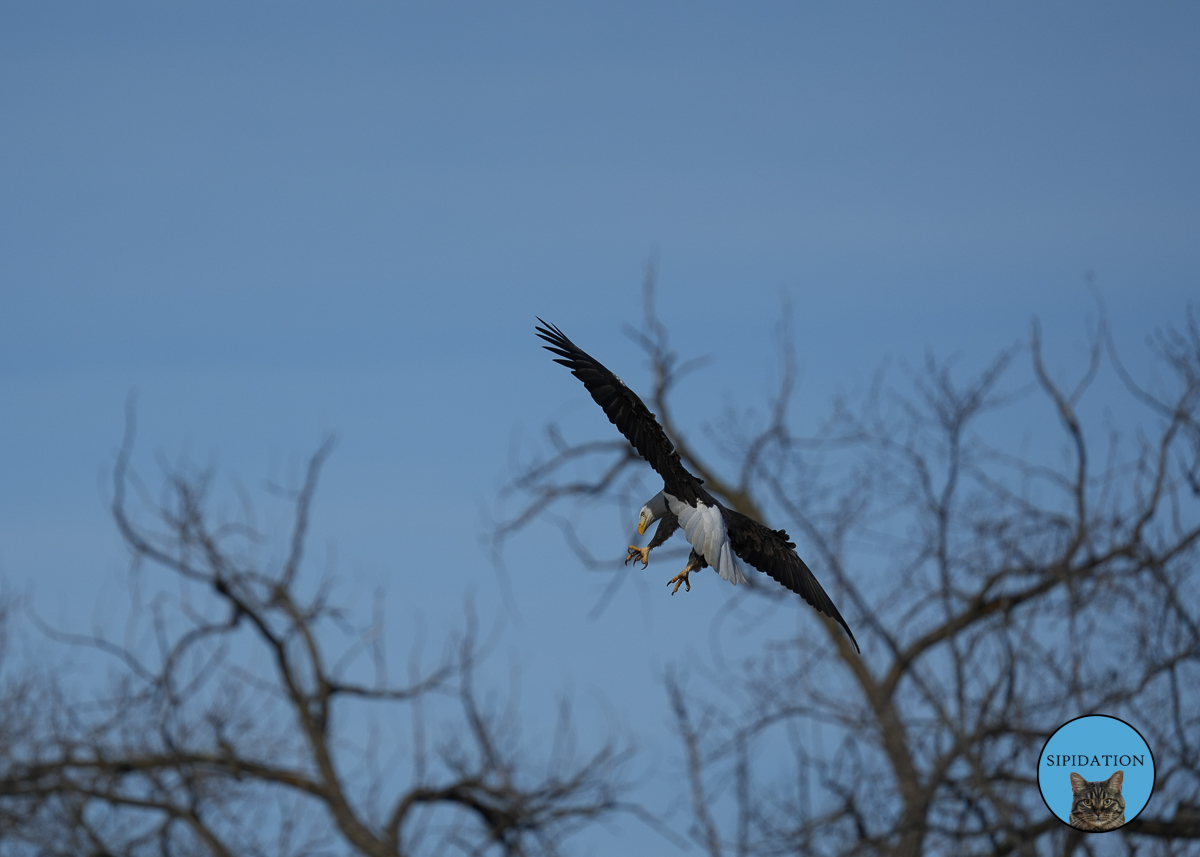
[1096, 773]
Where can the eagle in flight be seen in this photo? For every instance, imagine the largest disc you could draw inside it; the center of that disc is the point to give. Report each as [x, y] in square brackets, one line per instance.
[718, 536]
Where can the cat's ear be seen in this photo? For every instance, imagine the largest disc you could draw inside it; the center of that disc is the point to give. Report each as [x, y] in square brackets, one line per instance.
[1114, 782]
[1077, 783]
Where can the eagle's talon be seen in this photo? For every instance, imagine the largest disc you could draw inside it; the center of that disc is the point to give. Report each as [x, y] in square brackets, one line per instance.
[681, 578]
[637, 554]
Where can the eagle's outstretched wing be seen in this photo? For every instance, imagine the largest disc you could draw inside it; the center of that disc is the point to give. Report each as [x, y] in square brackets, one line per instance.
[626, 411]
[771, 551]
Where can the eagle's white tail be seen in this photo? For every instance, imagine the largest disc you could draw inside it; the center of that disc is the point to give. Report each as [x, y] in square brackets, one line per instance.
[704, 527]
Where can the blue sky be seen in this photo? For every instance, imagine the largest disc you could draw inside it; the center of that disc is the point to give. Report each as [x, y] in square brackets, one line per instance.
[278, 221]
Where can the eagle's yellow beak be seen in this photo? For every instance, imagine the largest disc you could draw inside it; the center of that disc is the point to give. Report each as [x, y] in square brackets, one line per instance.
[641, 526]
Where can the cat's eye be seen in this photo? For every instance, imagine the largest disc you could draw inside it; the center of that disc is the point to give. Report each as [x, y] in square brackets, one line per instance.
[1108, 803]
[1087, 803]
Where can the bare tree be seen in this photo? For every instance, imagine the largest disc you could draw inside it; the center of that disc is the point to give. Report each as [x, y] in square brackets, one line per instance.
[997, 592]
[244, 713]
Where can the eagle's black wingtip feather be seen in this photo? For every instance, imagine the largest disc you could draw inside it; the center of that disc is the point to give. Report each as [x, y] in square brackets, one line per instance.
[850, 633]
[834, 614]
[549, 332]
[559, 344]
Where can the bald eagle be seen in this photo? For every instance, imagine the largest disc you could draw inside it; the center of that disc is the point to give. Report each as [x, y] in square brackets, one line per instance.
[717, 534]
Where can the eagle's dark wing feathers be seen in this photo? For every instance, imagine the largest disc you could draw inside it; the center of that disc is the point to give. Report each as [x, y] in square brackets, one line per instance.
[667, 525]
[771, 551]
[624, 410]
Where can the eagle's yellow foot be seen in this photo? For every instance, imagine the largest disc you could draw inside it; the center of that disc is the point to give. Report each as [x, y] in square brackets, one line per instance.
[681, 578]
[637, 554]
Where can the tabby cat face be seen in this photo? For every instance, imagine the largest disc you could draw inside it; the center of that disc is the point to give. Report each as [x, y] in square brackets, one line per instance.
[1099, 805]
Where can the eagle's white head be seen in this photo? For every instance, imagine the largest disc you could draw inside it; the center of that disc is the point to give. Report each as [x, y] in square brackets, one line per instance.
[654, 509]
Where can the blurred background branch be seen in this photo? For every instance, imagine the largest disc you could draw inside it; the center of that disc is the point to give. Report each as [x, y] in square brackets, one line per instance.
[231, 725]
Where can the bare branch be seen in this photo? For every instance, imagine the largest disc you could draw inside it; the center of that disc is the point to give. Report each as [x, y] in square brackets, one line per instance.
[1000, 595]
